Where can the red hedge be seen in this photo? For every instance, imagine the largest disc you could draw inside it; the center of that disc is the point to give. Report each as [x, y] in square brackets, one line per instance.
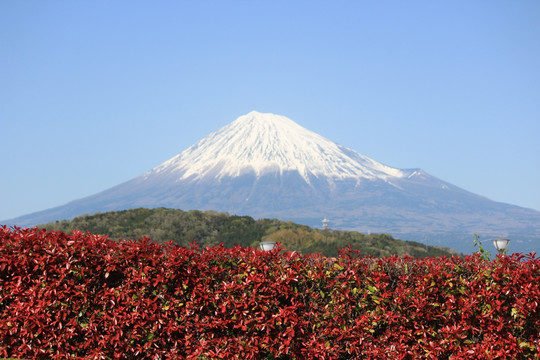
[84, 296]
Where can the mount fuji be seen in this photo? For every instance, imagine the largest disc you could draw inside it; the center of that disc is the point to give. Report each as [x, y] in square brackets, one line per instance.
[266, 165]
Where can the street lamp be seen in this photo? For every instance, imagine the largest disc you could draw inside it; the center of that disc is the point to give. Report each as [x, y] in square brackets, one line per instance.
[267, 245]
[501, 245]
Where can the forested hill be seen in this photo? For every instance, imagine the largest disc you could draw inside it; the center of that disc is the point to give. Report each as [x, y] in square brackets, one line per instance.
[212, 228]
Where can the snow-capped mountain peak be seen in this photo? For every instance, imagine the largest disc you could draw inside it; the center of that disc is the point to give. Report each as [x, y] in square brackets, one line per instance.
[262, 142]
[291, 173]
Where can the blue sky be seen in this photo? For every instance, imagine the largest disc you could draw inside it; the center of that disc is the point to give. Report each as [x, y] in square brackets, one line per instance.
[95, 93]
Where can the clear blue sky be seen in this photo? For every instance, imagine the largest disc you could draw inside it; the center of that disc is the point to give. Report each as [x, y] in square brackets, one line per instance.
[95, 93]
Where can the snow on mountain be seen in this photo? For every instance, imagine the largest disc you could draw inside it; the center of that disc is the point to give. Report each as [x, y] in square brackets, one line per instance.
[266, 143]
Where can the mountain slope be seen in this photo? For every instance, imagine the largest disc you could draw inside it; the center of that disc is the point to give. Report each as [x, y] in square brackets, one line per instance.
[267, 166]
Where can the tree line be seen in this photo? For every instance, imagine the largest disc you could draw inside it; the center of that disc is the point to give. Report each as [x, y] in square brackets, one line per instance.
[212, 228]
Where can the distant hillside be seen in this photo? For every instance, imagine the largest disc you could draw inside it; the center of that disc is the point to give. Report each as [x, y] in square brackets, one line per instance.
[211, 228]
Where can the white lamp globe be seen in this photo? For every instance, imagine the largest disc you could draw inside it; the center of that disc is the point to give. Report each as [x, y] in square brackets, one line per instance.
[267, 245]
[501, 244]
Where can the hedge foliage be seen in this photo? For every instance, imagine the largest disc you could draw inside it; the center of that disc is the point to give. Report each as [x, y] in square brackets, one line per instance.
[87, 297]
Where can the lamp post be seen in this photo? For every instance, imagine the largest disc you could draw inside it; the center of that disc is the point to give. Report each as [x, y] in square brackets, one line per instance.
[267, 245]
[501, 245]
